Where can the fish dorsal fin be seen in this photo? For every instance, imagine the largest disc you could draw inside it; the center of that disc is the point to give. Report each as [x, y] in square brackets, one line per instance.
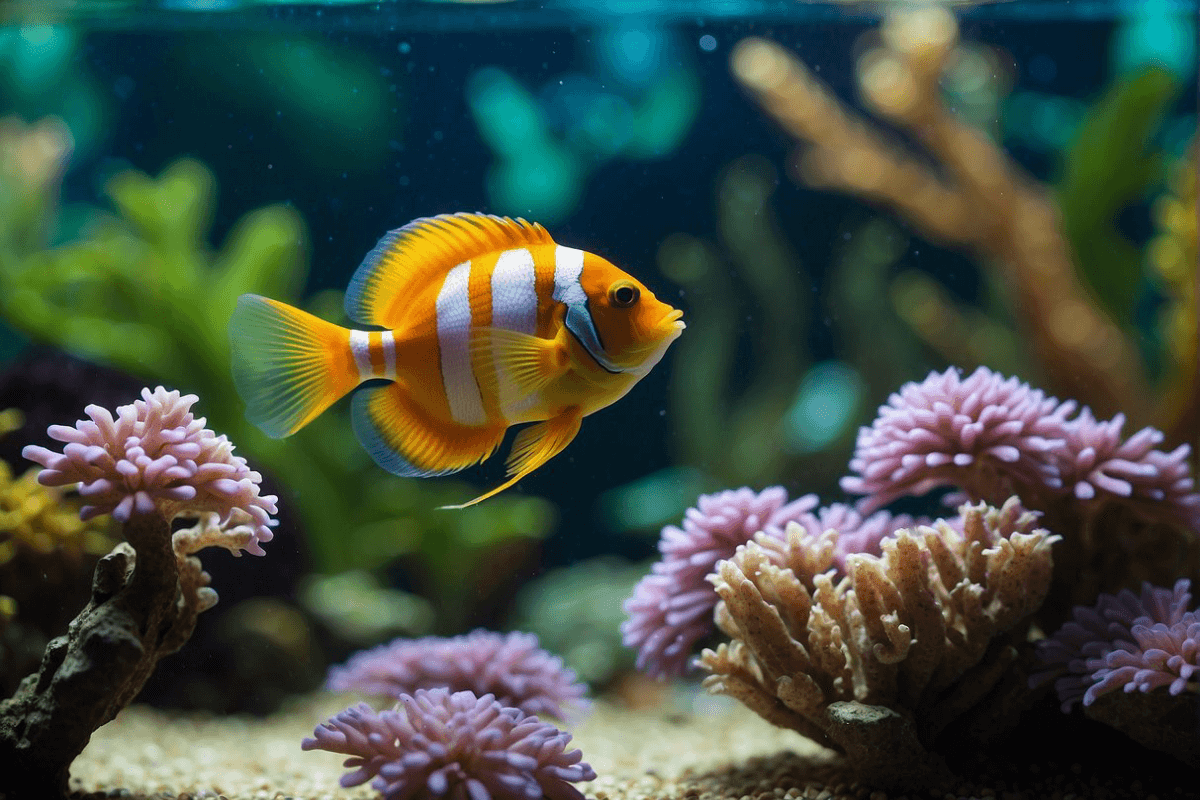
[424, 248]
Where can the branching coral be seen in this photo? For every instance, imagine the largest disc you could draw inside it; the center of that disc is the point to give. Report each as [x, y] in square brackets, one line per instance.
[149, 465]
[511, 667]
[1140, 644]
[877, 663]
[854, 532]
[978, 199]
[442, 744]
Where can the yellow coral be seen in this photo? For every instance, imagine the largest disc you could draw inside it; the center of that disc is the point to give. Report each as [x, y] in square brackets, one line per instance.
[1174, 255]
[37, 518]
[10, 420]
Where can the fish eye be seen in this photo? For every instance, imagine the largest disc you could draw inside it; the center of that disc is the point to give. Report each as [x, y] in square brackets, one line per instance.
[623, 295]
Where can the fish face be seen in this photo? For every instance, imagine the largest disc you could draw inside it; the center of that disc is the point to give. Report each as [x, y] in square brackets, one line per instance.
[634, 327]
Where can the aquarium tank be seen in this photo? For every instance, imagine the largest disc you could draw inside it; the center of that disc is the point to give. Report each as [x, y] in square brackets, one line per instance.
[607, 399]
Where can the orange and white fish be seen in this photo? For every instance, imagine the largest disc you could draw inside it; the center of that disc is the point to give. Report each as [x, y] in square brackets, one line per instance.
[487, 323]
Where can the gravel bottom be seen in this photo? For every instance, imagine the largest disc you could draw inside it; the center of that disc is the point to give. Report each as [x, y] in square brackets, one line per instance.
[723, 752]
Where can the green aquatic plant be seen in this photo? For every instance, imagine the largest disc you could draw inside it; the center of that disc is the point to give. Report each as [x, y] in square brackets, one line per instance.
[296, 88]
[1112, 163]
[140, 288]
[733, 413]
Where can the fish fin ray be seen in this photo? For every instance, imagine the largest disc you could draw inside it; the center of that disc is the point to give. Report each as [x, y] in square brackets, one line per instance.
[422, 249]
[403, 439]
[533, 447]
[288, 365]
[525, 362]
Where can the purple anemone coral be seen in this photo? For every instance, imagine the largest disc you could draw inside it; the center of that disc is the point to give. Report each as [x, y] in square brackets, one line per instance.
[671, 608]
[511, 666]
[455, 745]
[983, 433]
[1095, 463]
[990, 437]
[1138, 643]
[154, 456]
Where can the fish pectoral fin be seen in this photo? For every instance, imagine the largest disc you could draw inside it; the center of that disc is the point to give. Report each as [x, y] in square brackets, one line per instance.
[533, 447]
[522, 364]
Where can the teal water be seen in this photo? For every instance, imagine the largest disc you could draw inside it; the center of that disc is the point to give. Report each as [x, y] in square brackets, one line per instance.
[526, 14]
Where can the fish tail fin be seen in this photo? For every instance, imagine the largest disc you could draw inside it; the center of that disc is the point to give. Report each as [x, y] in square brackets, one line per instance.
[288, 366]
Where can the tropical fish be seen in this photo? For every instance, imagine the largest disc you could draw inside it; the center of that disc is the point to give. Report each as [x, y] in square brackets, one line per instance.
[486, 323]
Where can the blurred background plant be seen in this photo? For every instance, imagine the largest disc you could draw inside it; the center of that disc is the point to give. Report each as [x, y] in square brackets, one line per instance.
[635, 98]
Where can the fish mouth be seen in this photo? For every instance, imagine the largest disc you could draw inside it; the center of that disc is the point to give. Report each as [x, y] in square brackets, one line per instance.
[674, 319]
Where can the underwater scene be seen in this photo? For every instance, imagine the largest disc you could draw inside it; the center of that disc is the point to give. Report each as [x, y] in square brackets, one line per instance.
[607, 399]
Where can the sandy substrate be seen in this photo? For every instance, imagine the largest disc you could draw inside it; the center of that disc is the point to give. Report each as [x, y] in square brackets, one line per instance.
[723, 753]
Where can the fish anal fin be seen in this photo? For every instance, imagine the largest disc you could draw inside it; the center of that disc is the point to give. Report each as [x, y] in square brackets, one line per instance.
[406, 440]
[532, 448]
[516, 365]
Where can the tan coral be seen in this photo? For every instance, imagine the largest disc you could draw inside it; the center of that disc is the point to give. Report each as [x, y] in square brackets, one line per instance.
[976, 199]
[911, 639]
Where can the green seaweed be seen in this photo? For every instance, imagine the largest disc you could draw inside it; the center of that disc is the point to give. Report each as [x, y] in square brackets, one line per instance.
[1111, 164]
[741, 390]
[141, 289]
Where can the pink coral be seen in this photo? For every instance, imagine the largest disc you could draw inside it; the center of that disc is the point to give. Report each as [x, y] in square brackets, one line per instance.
[671, 608]
[512, 667]
[439, 744]
[1138, 643]
[1094, 463]
[985, 434]
[154, 456]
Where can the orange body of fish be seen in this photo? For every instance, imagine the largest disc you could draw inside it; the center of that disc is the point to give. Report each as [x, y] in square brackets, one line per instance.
[486, 323]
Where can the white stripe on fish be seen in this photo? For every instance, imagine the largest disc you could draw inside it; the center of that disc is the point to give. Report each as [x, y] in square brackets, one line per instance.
[454, 345]
[360, 346]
